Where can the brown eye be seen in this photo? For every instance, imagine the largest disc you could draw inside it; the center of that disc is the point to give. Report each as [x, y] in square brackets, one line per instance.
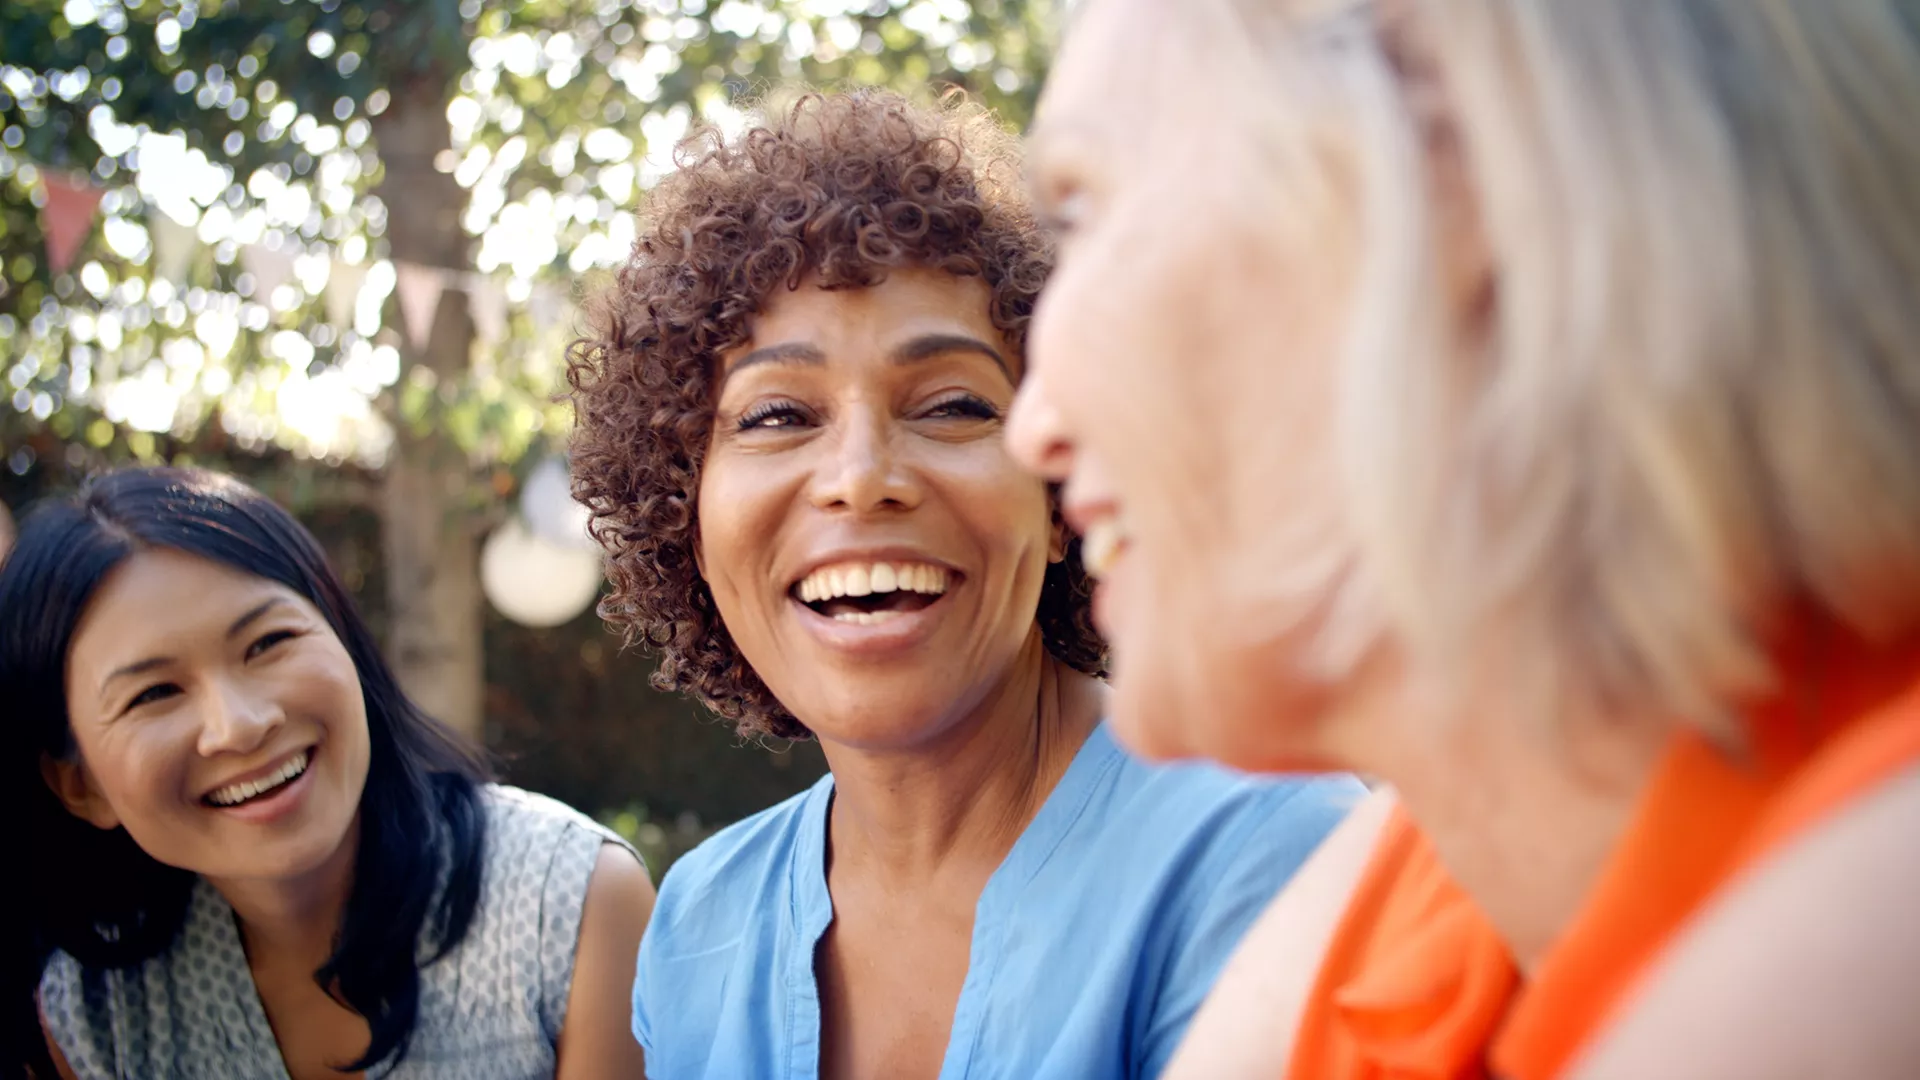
[156, 692]
[772, 414]
[965, 406]
[267, 641]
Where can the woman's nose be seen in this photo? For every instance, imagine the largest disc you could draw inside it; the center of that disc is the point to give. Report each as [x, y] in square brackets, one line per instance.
[236, 719]
[1036, 435]
[862, 469]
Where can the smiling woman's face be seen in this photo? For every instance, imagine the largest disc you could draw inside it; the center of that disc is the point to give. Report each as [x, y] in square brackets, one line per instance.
[872, 548]
[1183, 364]
[217, 718]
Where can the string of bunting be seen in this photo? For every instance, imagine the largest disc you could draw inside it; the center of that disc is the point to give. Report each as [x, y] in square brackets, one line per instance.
[72, 205]
[540, 568]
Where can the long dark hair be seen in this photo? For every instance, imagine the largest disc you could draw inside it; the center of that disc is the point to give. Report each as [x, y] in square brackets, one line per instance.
[95, 894]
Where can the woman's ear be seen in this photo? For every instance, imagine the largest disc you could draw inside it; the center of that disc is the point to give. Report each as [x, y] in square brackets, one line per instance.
[72, 783]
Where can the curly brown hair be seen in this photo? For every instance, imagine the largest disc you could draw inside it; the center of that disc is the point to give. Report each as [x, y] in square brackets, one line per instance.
[839, 188]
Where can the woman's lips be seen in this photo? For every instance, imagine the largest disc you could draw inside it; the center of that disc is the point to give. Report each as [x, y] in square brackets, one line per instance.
[872, 592]
[277, 803]
[873, 633]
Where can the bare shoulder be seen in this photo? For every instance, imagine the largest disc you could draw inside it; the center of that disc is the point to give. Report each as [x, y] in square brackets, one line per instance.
[1245, 1027]
[597, 1040]
[619, 901]
[620, 882]
[1831, 991]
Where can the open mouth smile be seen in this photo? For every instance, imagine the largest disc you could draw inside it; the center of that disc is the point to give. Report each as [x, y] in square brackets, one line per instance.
[247, 792]
[872, 593]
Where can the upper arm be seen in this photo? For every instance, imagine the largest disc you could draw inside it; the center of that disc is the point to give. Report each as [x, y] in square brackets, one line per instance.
[597, 1039]
[1810, 966]
[1245, 1026]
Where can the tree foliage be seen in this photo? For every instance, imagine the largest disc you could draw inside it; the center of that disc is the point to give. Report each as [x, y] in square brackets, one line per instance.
[255, 122]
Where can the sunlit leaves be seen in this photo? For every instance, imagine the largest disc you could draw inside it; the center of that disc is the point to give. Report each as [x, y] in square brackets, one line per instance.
[248, 122]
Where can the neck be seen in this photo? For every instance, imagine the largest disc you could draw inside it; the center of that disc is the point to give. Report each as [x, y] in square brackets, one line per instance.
[966, 792]
[293, 919]
[1525, 825]
[1525, 805]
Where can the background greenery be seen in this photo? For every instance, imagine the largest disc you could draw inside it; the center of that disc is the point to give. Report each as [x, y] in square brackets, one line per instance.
[509, 140]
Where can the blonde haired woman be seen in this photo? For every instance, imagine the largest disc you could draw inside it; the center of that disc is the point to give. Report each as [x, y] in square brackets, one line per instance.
[1523, 406]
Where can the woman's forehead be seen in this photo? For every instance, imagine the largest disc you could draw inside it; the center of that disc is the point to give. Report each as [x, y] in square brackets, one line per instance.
[160, 598]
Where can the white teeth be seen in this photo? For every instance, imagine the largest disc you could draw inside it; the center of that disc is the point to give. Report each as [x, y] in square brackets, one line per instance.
[865, 618]
[865, 579]
[238, 793]
[1101, 545]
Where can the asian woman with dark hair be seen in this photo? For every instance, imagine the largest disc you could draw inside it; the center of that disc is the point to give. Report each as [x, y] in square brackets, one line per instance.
[246, 851]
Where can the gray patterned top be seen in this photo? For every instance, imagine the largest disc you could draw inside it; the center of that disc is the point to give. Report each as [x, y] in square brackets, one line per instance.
[489, 1010]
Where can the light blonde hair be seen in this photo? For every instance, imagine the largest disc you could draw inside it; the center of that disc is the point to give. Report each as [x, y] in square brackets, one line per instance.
[1694, 404]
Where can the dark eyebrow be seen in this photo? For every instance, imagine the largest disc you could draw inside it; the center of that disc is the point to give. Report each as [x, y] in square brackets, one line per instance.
[788, 352]
[262, 608]
[928, 346]
[151, 662]
[135, 668]
[914, 350]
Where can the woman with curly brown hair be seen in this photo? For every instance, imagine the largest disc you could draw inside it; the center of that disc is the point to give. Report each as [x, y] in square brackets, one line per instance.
[790, 439]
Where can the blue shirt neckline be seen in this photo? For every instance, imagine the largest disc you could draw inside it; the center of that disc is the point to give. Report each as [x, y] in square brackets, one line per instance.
[811, 909]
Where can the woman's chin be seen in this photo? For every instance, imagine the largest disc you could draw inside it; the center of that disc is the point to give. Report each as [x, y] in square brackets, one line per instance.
[900, 717]
[314, 848]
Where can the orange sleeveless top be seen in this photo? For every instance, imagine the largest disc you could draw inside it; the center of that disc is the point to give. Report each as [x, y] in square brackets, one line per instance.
[1415, 985]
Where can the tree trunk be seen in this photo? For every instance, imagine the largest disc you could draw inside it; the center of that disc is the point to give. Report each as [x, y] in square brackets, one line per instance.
[428, 531]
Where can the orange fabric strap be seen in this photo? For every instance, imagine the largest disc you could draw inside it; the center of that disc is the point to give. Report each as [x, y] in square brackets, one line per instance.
[1415, 985]
[1848, 720]
[1414, 980]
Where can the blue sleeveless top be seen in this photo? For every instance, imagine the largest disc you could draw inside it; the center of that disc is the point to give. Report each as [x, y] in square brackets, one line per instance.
[1093, 943]
[489, 1010]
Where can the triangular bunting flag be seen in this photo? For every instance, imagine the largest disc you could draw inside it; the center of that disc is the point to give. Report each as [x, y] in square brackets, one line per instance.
[343, 289]
[419, 288]
[270, 267]
[68, 217]
[173, 248]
